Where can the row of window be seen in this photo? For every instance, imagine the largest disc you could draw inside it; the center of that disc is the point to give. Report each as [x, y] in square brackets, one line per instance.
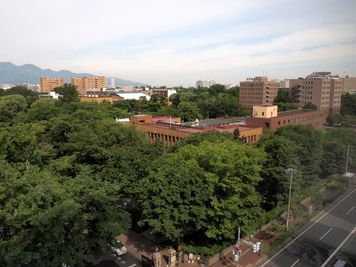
[163, 137]
[299, 120]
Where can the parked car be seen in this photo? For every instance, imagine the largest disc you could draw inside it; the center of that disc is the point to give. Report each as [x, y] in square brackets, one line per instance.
[118, 248]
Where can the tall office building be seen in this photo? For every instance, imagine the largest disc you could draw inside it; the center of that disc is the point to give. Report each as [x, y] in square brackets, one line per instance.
[258, 91]
[48, 84]
[89, 84]
[319, 88]
[205, 83]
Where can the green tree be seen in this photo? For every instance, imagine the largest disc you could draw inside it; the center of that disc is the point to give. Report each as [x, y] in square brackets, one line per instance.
[42, 109]
[333, 119]
[309, 153]
[47, 220]
[209, 189]
[10, 106]
[282, 153]
[188, 111]
[310, 105]
[348, 104]
[68, 93]
[197, 138]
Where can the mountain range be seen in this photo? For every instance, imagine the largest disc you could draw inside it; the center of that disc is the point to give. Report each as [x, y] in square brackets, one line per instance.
[29, 73]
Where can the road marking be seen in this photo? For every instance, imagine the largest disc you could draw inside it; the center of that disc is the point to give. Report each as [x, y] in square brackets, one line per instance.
[347, 213]
[295, 262]
[338, 248]
[310, 226]
[326, 233]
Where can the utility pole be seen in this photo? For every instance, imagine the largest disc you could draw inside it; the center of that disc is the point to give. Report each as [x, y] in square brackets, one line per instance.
[289, 170]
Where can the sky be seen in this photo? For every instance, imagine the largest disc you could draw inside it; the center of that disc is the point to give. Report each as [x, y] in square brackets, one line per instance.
[177, 42]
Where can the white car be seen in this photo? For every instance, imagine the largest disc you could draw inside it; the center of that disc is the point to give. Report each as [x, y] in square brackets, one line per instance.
[118, 248]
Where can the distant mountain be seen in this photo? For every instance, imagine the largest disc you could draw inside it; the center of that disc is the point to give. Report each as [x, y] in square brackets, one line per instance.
[13, 74]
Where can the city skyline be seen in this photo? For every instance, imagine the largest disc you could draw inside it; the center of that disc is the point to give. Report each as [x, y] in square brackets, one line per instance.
[179, 42]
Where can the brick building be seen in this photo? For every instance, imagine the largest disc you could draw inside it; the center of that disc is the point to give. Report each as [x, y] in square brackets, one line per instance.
[85, 84]
[169, 130]
[258, 91]
[316, 118]
[48, 84]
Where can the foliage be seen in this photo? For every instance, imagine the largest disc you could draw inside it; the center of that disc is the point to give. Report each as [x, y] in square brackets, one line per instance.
[208, 188]
[348, 104]
[197, 138]
[188, 111]
[29, 95]
[282, 154]
[10, 106]
[310, 106]
[68, 93]
[47, 220]
[285, 101]
[310, 148]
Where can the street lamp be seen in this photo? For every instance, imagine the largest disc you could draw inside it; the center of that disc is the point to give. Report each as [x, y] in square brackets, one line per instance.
[290, 171]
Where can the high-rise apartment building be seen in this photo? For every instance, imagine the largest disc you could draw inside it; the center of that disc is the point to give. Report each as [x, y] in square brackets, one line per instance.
[89, 83]
[48, 84]
[205, 83]
[319, 88]
[258, 91]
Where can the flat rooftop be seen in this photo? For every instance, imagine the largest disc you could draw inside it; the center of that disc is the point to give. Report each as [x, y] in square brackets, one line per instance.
[295, 112]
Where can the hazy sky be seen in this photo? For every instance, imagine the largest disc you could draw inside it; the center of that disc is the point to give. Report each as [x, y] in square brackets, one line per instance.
[176, 42]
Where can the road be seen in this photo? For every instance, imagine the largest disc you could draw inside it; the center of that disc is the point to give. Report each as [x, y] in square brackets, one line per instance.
[111, 260]
[331, 237]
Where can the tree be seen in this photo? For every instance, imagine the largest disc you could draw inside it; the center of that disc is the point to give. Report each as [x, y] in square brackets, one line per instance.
[348, 104]
[216, 89]
[197, 138]
[29, 95]
[282, 153]
[188, 111]
[333, 119]
[209, 189]
[310, 148]
[47, 220]
[24, 143]
[68, 93]
[310, 106]
[284, 101]
[10, 106]
[42, 109]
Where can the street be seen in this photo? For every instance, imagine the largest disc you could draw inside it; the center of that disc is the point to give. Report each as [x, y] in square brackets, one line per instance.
[330, 238]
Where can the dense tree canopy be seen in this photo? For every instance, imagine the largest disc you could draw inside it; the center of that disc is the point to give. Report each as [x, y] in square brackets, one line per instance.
[209, 188]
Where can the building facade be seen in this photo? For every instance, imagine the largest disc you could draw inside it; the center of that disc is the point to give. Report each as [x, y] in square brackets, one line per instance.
[85, 84]
[164, 92]
[319, 88]
[315, 118]
[349, 85]
[48, 84]
[258, 91]
[205, 83]
[169, 130]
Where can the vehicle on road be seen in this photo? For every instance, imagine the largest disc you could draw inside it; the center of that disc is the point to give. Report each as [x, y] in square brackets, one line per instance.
[118, 248]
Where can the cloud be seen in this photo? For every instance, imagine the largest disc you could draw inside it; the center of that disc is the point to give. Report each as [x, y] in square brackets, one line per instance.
[161, 41]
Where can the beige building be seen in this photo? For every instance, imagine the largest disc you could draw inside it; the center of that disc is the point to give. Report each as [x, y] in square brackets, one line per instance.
[266, 111]
[258, 91]
[349, 85]
[89, 83]
[48, 84]
[321, 89]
